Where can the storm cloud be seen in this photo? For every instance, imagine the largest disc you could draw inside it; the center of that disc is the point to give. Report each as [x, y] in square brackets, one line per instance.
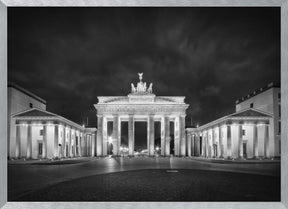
[213, 56]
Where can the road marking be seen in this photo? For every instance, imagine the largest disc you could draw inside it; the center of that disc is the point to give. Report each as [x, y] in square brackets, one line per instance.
[172, 171]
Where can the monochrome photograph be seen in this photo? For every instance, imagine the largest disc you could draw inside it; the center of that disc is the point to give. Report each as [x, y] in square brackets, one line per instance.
[144, 104]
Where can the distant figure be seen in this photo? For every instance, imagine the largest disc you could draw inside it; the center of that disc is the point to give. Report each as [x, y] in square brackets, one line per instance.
[150, 88]
[133, 89]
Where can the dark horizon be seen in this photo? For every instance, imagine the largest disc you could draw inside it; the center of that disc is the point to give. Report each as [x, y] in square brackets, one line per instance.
[213, 56]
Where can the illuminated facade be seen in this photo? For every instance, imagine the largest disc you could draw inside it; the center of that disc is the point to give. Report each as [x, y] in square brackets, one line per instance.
[19, 99]
[42, 134]
[36, 133]
[142, 105]
[253, 131]
[244, 134]
[267, 99]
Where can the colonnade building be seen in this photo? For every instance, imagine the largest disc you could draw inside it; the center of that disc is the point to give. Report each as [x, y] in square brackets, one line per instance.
[36, 133]
[250, 132]
[42, 134]
[253, 131]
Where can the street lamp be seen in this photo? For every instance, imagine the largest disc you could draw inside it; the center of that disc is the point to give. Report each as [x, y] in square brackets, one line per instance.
[157, 150]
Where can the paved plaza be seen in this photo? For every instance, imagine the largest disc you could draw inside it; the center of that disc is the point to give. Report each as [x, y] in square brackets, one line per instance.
[27, 178]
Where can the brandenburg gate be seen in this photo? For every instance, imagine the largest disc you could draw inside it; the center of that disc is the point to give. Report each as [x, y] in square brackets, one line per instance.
[141, 105]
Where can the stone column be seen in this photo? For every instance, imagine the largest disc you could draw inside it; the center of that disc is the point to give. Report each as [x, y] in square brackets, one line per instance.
[176, 137]
[93, 145]
[266, 140]
[190, 144]
[56, 140]
[213, 143]
[150, 135]
[229, 142]
[167, 136]
[208, 146]
[197, 142]
[240, 141]
[163, 136]
[29, 141]
[255, 141]
[182, 136]
[87, 144]
[18, 141]
[220, 142]
[131, 134]
[80, 144]
[203, 144]
[64, 142]
[105, 136]
[115, 137]
[44, 150]
[69, 143]
[99, 135]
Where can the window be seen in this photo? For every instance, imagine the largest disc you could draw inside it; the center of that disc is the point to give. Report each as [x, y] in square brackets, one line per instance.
[279, 127]
[41, 132]
[40, 148]
[30, 105]
[279, 95]
[279, 109]
[243, 132]
[251, 105]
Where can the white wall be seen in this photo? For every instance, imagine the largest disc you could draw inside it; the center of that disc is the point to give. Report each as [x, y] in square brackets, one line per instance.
[267, 101]
[17, 102]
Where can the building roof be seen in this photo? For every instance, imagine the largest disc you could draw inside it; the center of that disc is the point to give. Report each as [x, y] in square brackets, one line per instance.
[25, 91]
[38, 114]
[249, 112]
[258, 91]
[35, 112]
[246, 114]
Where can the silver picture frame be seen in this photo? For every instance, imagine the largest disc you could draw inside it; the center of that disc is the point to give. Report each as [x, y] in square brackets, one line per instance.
[4, 4]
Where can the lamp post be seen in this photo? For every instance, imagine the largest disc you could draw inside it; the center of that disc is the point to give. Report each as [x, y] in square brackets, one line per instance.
[157, 150]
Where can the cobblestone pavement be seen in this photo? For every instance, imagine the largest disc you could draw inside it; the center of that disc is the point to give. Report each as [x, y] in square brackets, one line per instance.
[27, 176]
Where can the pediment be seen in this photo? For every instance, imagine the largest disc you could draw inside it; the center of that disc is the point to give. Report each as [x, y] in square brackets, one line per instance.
[34, 112]
[250, 113]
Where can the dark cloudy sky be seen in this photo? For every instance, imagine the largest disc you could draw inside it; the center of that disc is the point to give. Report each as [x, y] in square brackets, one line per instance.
[213, 56]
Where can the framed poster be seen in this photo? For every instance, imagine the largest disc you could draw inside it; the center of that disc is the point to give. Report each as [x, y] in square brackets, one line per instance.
[177, 66]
